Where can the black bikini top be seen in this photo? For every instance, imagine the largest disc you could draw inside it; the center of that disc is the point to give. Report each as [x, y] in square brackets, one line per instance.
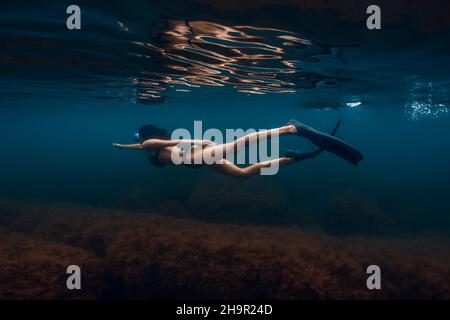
[154, 159]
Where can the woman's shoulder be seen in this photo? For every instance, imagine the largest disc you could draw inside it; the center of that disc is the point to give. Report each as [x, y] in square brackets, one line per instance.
[154, 144]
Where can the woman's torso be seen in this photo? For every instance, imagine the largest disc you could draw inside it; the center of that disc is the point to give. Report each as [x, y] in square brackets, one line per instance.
[191, 158]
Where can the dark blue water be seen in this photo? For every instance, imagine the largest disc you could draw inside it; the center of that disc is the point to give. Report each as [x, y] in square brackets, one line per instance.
[65, 96]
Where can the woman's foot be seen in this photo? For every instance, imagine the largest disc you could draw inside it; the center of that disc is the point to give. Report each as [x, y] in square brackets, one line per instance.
[300, 156]
[288, 129]
[302, 129]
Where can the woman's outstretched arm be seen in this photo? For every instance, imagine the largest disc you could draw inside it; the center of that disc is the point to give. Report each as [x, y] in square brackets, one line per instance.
[158, 144]
[127, 146]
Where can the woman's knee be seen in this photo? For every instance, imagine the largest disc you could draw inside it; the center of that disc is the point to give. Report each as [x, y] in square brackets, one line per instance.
[249, 171]
[242, 174]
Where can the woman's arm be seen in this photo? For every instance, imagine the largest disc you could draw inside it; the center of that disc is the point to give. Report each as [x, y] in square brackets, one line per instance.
[156, 144]
[127, 146]
[159, 144]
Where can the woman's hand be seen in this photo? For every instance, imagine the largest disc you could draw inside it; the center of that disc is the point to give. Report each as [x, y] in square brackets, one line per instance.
[198, 142]
[206, 143]
[116, 145]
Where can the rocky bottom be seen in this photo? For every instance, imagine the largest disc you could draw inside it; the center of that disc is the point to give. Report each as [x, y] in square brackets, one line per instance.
[126, 255]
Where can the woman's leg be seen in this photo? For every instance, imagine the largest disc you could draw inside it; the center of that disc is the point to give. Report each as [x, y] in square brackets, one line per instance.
[229, 169]
[254, 137]
[220, 151]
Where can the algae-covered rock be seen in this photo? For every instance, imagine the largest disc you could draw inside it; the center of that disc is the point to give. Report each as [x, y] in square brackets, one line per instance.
[127, 255]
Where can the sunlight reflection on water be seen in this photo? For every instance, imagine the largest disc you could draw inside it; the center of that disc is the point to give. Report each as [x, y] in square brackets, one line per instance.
[251, 59]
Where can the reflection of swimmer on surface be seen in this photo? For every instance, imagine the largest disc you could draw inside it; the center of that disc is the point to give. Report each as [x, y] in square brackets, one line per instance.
[161, 149]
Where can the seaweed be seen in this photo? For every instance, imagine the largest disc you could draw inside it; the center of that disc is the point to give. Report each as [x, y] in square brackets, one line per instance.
[127, 255]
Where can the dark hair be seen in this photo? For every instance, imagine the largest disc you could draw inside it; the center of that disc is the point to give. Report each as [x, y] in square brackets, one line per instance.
[152, 132]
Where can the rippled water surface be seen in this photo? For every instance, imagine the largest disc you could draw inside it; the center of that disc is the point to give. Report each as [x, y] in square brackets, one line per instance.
[149, 49]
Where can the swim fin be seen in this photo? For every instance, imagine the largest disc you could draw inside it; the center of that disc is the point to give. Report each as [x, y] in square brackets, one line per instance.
[328, 142]
[300, 156]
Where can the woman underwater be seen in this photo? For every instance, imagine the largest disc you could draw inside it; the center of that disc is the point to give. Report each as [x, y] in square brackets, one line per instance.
[161, 149]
